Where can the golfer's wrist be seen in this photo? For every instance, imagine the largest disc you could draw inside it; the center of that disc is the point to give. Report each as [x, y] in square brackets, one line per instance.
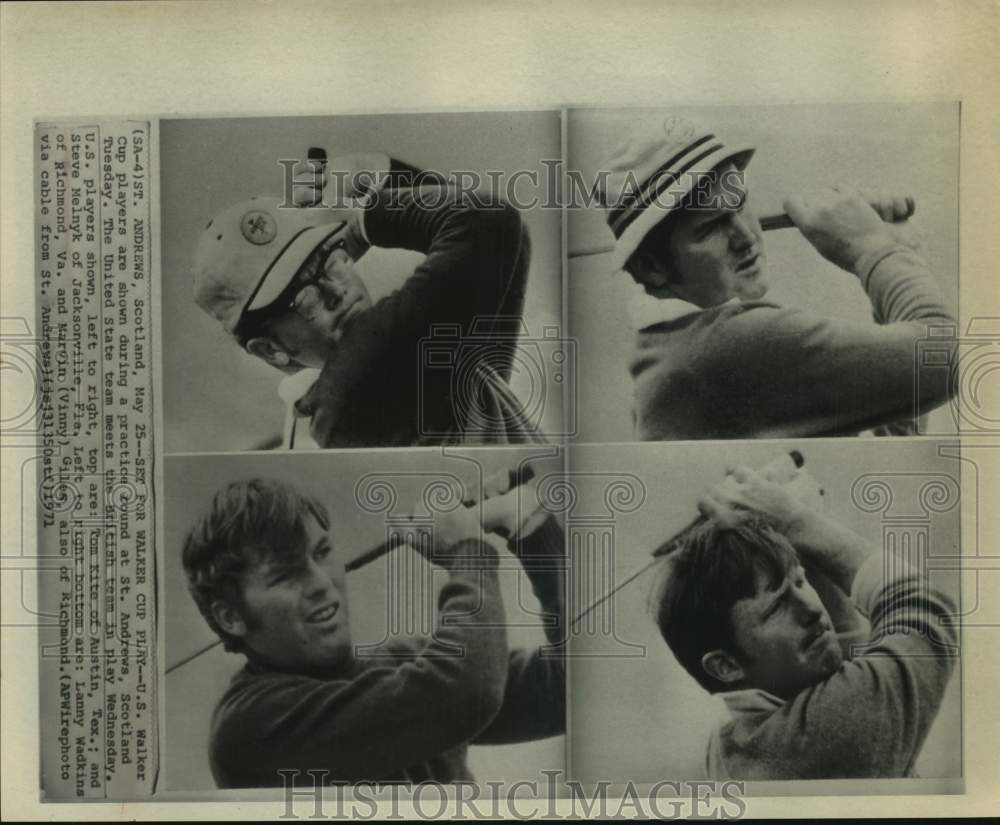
[872, 253]
[805, 528]
[832, 547]
[357, 236]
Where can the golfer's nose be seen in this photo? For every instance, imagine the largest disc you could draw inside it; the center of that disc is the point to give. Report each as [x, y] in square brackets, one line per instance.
[333, 290]
[810, 608]
[318, 581]
[741, 235]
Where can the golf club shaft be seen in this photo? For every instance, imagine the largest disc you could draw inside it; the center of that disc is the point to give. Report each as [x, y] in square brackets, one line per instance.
[782, 221]
[672, 543]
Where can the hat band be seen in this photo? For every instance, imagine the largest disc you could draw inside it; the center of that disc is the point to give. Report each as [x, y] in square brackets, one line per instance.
[255, 318]
[620, 219]
[270, 266]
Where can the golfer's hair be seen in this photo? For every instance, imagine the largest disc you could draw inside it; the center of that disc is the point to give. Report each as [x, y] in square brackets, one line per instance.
[651, 254]
[714, 568]
[248, 523]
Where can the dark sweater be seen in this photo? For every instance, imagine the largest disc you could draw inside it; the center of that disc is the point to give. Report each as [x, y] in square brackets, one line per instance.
[428, 364]
[757, 370]
[407, 716]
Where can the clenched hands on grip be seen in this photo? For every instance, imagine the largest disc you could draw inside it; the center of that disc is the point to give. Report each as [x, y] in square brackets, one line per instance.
[844, 223]
[504, 510]
[313, 181]
[744, 493]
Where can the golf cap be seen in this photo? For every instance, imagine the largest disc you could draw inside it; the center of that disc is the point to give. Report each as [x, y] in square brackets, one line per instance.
[650, 173]
[249, 253]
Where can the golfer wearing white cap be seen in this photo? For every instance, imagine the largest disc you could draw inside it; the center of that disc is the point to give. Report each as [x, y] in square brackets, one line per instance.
[719, 361]
[281, 280]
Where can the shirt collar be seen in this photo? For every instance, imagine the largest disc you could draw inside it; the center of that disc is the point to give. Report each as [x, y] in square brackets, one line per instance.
[297, 384]
[751, 701]
[291, 389]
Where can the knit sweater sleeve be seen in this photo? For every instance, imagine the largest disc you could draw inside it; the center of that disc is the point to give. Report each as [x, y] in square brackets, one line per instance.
[386, 718]
[787, 371]
[872, 716]
[472, 281]
[534, 702]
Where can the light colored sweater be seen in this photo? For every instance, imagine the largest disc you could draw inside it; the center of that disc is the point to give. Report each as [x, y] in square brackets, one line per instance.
[870, 718]
[758, 370]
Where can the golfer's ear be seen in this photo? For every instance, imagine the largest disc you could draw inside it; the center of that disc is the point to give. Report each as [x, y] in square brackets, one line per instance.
[723, 667]
[654, 275]
[229, 619]
[268, 350]
[650, 270]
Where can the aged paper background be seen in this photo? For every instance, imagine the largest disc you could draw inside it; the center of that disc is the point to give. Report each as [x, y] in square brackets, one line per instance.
[73, 60]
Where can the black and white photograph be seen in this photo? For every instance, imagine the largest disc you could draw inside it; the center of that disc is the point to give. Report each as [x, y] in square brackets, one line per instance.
[783, 613]
[499, 411]
[361, 281]
[377, 616]
[769, 271]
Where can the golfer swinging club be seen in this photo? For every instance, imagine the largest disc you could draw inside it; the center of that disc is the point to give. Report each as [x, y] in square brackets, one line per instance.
[721, 361]
[281, 281]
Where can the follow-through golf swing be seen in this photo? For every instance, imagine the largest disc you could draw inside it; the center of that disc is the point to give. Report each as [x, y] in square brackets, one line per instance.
[766, 601]
[714, 358]
[280, 277]
[779, 469]
[267, 577]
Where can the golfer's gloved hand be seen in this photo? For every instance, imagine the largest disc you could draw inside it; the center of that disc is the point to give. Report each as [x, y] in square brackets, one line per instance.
[844, 224]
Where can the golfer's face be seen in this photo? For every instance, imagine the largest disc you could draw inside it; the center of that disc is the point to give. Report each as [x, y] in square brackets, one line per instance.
[323, 309]
[785, 636]
[295, 609]
[716, 250]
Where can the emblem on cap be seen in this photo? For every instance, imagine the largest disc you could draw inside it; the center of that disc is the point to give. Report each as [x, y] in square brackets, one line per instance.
[678, 128]
[258, 227]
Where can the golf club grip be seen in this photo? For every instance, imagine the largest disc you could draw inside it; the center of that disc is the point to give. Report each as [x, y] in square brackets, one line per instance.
[674, 541]
[518, 476]
[782, 221]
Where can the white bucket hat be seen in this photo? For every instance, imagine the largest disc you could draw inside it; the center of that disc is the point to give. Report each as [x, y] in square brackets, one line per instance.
[650, 173]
